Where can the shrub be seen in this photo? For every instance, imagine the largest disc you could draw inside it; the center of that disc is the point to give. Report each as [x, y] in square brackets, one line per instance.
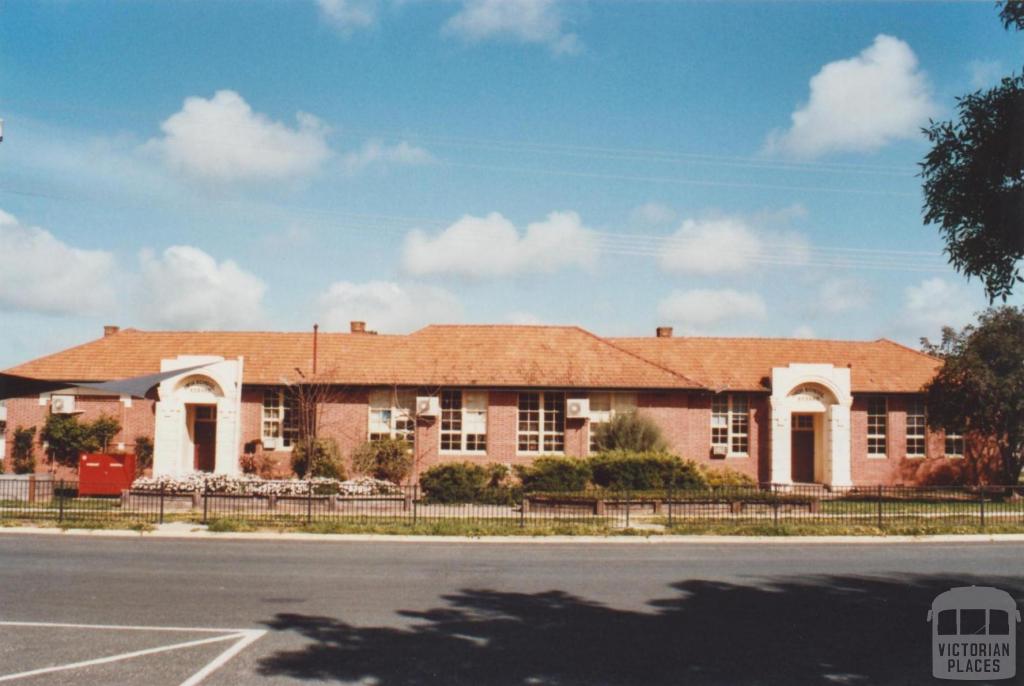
[318, 458]
[388, 458]
[466, 482]
[555, 474]
[67, 437]
[23, 456]
[143, 453]
[644, 471]
[633, 432]
[724, 477]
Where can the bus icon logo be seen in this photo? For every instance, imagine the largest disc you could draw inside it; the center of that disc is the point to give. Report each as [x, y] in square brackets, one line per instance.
[974, 634]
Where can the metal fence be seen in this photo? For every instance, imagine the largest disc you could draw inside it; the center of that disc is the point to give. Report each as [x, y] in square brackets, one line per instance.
[44, 499]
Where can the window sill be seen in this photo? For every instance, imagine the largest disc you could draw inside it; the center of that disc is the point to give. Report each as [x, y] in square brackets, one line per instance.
[738, 456]
[916, 457]
[477, 453]
[878, 457]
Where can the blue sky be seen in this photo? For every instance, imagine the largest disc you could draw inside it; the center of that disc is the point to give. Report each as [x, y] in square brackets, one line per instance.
[724, 167]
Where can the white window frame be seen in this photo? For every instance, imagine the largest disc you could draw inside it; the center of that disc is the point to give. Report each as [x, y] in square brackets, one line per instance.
[392, 414]
[876, 435]
[730, 412]
[619, 403]
[278, 413]
[464, 419]
[953, 436]
[917, 421]
[545, 427]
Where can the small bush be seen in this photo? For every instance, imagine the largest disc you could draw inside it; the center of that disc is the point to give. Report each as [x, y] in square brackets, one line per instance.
[466, 482]
[318, 458]
[388, 458]
[555, 474]
[143, 453]
[633, 432]
[23, 456]
[724, 477]
[67, 437]
[644, 471]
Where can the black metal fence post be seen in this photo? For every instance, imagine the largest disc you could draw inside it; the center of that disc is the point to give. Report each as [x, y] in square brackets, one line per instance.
[522, 511]
[415, 497]
[879, 506]
[60, 500]
[981, 505]
[206, 501]
[163, 487]
[309, 502]
[670, 493]
[627, 508]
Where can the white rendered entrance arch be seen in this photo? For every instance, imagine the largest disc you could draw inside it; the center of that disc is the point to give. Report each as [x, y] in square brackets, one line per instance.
[822, 390]
[217, 383]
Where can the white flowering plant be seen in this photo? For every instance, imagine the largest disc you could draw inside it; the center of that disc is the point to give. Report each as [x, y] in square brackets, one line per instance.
[224, 484]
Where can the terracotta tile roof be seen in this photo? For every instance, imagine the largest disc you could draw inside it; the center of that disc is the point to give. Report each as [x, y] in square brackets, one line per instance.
[509, 356]
[745, 363]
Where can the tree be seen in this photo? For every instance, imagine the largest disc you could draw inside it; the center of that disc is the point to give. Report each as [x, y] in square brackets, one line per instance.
[23, 458]
[979, 390]
[67, 437]
[974, 179]
[631, 432]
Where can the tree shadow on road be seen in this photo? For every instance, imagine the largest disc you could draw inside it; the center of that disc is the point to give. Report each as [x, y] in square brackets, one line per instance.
[827, 629]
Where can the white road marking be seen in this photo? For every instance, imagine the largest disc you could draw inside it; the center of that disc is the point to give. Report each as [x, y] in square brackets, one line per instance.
[242, 637]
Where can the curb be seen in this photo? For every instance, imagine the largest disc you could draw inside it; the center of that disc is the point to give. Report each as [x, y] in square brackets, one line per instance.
[201, 534]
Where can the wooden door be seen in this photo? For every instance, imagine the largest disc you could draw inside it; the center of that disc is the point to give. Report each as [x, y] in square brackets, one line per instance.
[803, 449]
[204, 437]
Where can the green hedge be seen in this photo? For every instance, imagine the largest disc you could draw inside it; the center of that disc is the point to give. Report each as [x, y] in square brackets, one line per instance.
[467, 482]
[618, 470]
[555, 474]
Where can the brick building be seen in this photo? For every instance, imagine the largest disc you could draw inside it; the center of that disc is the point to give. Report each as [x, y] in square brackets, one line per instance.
[780, 410]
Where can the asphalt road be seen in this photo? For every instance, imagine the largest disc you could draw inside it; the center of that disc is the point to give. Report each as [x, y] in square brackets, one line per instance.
[478, 613]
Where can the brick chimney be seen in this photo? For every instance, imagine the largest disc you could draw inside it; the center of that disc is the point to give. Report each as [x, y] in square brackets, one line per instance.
[110, 330]
[358, 327]
[664, 332]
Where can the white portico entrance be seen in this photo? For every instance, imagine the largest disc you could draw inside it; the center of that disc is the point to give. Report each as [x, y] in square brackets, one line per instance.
[810, 424]
[197, 416]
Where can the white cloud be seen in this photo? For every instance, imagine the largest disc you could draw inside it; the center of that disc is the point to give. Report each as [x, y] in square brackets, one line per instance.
[934, 303]
[839, 295]
[41, 273]
[492, 246]
[728, 244]
[349, 15]
[652, 214]
[523, 318]
[187, 288]
[374, 152]
[860, 104]
[386, 306]
[223, 139]
[804, 331]
[985, 73]
[698, 309]
[526, 21]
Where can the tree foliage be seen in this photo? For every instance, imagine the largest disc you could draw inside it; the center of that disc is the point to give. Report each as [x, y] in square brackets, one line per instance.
[23, 458]
[1012, 14]
[67, 437]
[980, 386]
[389, 459]
[630, 432]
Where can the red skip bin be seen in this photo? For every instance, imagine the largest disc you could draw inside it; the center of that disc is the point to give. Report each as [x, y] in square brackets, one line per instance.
[100, 474]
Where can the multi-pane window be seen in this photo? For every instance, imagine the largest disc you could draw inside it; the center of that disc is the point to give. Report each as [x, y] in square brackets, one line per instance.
[604, 406]
[916, 429]
[730, 423]
[392, 415]
[464, 421]
[541, 422]
[954, 444]
[878, 424]
[280, 420]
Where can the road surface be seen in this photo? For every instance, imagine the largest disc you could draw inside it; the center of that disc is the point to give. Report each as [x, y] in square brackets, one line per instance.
[476, 613]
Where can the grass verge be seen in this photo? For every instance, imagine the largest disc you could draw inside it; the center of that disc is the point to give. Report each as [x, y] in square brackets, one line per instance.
[919, 528]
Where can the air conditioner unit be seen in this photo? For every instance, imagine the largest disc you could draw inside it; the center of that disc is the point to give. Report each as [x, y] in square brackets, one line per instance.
[428, 406]
[62, 404]
[719, 450]
[577, 408]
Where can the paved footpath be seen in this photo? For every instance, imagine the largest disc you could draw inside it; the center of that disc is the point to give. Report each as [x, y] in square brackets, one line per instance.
[89, 609]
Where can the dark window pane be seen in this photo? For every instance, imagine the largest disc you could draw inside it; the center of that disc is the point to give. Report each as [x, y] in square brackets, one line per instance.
[947, 623]
[998, 623]
[972, 622]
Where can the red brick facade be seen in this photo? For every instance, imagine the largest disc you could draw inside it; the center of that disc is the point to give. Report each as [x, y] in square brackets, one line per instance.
[684, 417]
